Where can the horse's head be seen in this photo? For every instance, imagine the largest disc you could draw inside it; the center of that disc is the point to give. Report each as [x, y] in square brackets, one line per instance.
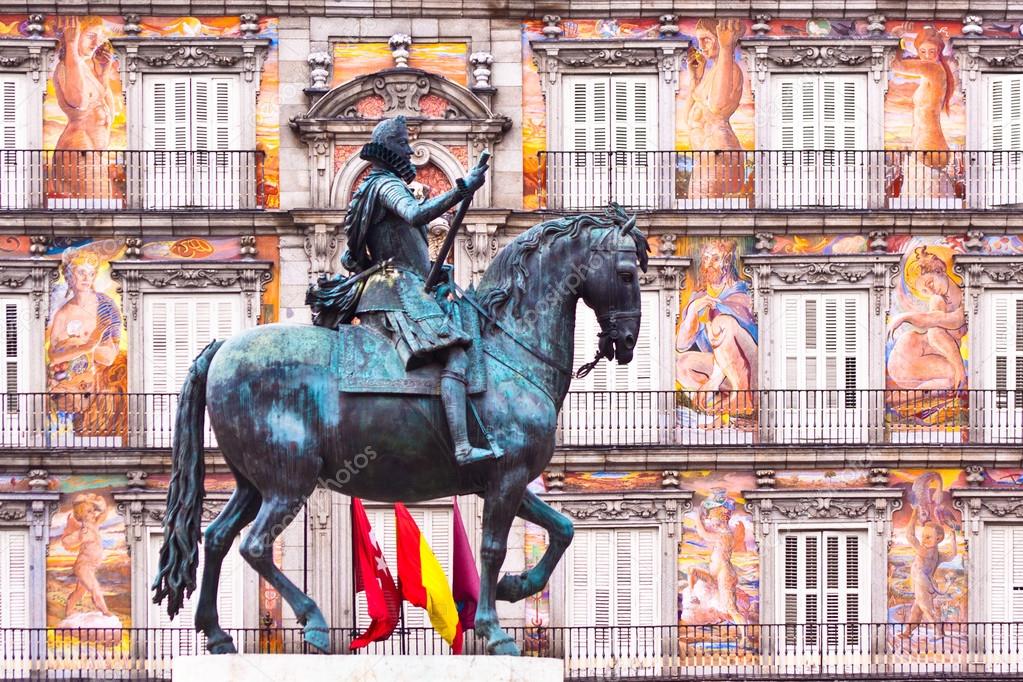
[611, 283]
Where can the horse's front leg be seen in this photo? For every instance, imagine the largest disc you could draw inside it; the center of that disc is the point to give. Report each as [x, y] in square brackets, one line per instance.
[500, 504]
[516, 586]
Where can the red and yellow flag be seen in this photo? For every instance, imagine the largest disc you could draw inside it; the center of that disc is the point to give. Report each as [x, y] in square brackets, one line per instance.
[422, 581]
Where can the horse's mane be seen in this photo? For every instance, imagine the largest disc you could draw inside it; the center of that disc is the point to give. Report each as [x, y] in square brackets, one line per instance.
[509, 269]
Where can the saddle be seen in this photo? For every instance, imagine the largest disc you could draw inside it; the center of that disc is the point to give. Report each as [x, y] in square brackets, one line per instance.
[367, 361]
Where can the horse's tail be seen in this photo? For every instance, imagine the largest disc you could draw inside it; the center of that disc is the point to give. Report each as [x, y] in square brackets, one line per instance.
[179, 555]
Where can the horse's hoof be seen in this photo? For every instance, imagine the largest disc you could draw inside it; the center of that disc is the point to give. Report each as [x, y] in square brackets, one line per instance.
[319, 638]
[512, 587]
[222, 646]
[503, 647]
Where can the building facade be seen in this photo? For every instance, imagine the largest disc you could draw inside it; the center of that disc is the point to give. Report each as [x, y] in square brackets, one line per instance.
[813, 462]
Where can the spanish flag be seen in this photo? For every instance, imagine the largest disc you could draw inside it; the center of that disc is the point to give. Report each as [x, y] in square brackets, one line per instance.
[422, 581]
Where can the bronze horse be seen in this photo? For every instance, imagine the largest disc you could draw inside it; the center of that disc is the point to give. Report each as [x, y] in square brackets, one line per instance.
[284, 426]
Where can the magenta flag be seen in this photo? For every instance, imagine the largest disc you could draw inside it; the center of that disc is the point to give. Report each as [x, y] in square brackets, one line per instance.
[465, 579]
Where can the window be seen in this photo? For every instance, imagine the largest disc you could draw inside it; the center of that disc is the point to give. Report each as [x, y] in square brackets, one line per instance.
[824, 581]
[605, 114]
[191, 115]
[436, 525]
[1004, 181]
[1005, 585]
[13, 136]
[14, 582]
[815, 118]
[615, 403]
[613, 580]
[230, 601]
[821, 366]
[177, 327]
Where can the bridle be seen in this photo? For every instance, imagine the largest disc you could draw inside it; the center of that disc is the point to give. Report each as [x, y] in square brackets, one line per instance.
[610, 319]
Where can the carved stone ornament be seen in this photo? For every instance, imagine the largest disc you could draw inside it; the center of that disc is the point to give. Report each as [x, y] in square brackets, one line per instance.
[770, 54]
[480, 245]
[481, 63]
[584, 56]
[319, 69]
[761, 24]
[977, 55]
[981, 272]
[765, 478]
[555, 480]
[987, 504]
[551, 27]
[798, 506]
[654, 507]
[32, 276]
[399, 45]
[249, 278]
[875, 272]
[142, 509]
[30, 56]
[32, 509]
[668, 25]
[670, 479]
[321, 247]
[231, 55]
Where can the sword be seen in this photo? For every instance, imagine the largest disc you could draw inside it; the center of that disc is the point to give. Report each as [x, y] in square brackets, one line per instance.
[449, 239]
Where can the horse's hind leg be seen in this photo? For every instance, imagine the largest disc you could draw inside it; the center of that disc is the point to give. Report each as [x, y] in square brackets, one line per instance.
[237, 513]
[516, 586]
[257, 548]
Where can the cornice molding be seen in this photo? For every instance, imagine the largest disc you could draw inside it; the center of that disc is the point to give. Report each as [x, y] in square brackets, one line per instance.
[32, 509]
[244, 56]
[143, 509]
[874, 505]
[875, 272]
[768, 55]
[556, 57]
[977, 55]
[980, 272]
[980, 505]
[662, 507]
[28, 55]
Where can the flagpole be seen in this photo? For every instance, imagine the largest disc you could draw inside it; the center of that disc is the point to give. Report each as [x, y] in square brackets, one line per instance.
[401, 627]
[355, 584]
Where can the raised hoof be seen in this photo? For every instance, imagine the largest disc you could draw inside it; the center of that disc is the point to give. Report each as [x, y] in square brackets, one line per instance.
[319, 638]
[222, 646]
[503, 647]
[512, 587]
[473, 455]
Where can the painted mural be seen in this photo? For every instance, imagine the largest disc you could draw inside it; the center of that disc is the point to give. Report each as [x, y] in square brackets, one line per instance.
[84, 106]
[716, 338]
[924, 106]
[447, 59]
[88, 570]
[927, 587]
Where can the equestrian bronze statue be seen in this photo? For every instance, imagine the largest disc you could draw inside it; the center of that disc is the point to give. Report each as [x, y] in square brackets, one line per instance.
[454, 395]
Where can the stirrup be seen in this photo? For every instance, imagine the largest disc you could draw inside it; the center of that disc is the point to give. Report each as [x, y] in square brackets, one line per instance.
[474, 455]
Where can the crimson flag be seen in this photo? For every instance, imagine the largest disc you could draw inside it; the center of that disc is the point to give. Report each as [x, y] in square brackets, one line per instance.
[373, 577]
[465, 579]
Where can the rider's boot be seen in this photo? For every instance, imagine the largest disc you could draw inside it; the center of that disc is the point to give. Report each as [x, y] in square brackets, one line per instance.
[452, 392]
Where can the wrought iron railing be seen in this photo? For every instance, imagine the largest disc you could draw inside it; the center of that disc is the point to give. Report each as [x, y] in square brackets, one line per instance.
[876, 417]
[774, 179]
[775, 651]
[131, 179]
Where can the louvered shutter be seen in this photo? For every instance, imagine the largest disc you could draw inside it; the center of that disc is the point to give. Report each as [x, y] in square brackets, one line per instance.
[167, 122]
[14, 578]
[1005, 112]
[587, 113]
[800, 577]
[821, 341]
[1005, 373]
[843, 555]
[14, 320]
[843, 100]
[177, 327]
[634, 114]
[1005, 573]
[215, 112]
[797, 118]
[13, 115]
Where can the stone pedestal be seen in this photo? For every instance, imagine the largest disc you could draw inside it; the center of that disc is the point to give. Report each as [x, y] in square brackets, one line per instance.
[361, 668]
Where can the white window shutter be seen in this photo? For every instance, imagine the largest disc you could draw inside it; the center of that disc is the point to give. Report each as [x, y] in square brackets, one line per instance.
[634, 113]
[14, 578]
[14, 321]
[215, 112]
[1005, 112]
[167, 122]
[797, 121]
[1004, 573]
[587, 113]
[1004, 371]
[13, 113]
[177, 327]
[586, 330]
[842, 112]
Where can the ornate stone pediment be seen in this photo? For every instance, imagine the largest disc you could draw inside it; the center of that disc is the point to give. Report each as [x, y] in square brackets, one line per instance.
[33, 276]
[987, 504]
[553, 58]
[408, 92]
[976, 55]
[980, 272]
[660, 507]
[802, 54]
[797, 506]
[29, 56]
[146, 508]
[220, 55]
[874, 271]
[32, 509]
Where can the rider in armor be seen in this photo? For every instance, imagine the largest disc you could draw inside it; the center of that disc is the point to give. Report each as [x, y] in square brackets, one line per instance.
[386, 225]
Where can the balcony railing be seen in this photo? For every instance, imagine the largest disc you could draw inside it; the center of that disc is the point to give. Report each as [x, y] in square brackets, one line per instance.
[782, 180]
[130, 179]
[881, 417]
[848, 651]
